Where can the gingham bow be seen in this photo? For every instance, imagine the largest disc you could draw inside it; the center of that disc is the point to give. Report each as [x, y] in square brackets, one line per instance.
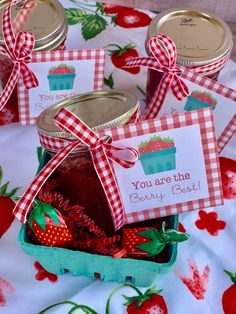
[164, 54]
[102, 151]
[18, 49]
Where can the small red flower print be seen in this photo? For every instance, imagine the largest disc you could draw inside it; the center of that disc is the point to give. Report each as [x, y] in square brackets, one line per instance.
[210, 222]
[5, 286]
[197, 283]
[43, 274]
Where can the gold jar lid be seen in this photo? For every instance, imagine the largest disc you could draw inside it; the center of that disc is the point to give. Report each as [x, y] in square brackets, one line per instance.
[99, 110]
[200, 37]
[46, 20]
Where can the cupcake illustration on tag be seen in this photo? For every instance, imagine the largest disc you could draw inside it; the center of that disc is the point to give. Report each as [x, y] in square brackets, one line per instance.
[157, 154]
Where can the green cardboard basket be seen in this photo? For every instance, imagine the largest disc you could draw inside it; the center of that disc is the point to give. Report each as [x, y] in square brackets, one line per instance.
[193, 103]
[158, 161]
[61, 81]
[59, 260]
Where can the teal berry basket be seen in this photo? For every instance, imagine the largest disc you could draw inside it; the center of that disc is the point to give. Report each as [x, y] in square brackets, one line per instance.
[59, 260]
[158, 161]
[61, 81]
[193, 103]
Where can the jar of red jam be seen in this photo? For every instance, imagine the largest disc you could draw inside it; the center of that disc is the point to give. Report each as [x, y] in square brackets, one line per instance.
[76, 177]
[47, 21]
[201, 38]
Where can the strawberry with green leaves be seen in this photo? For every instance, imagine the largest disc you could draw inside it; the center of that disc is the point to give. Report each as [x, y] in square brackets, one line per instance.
[228, 177]
[149, 302]
[121, 55]
[48, 225]
[6, 205]
[229, 296]
[150, 241]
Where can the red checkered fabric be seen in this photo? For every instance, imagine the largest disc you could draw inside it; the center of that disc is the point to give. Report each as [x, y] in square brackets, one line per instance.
[18, 49]
[102, 151]
[164, 55]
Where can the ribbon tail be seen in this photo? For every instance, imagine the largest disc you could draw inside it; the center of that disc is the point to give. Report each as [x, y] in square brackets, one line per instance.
[11, 83]
[124, 156]
[136, 117]
[24, 204]
[107, 178]
[158, 98]
[29, 78]
[179, 88]
[141, 61]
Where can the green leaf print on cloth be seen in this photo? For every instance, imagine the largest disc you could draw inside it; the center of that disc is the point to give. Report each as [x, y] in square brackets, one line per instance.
[75, 16]
[93, 25]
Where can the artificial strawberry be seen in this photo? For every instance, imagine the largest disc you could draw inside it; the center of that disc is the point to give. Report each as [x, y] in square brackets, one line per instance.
[149, 302]
[150, 241]
[228, 177]
[229, 296]
[6, 206]
[121, 55]
[131, 18]
[131, 239]
[48, 226]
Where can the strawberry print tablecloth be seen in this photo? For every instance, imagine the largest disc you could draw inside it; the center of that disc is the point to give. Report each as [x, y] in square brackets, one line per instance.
[203, 279]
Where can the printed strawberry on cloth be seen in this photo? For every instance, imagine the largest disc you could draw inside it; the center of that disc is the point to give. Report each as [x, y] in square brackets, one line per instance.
[203, 277]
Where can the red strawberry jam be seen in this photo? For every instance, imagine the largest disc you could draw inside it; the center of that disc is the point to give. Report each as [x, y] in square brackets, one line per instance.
[77, 179]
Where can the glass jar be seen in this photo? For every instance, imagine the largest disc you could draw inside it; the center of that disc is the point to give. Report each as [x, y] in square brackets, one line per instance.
[76, 177]
[47, 21]
[201, 38]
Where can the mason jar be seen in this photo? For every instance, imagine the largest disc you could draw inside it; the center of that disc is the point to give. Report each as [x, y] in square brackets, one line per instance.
[201, 38]
[46, 19]
[76, 177]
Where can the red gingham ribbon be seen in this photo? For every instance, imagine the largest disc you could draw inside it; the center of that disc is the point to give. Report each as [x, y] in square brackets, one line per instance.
[211, 67]
[102, 151]
[164, 54]
[18, 49]
[23, 15]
